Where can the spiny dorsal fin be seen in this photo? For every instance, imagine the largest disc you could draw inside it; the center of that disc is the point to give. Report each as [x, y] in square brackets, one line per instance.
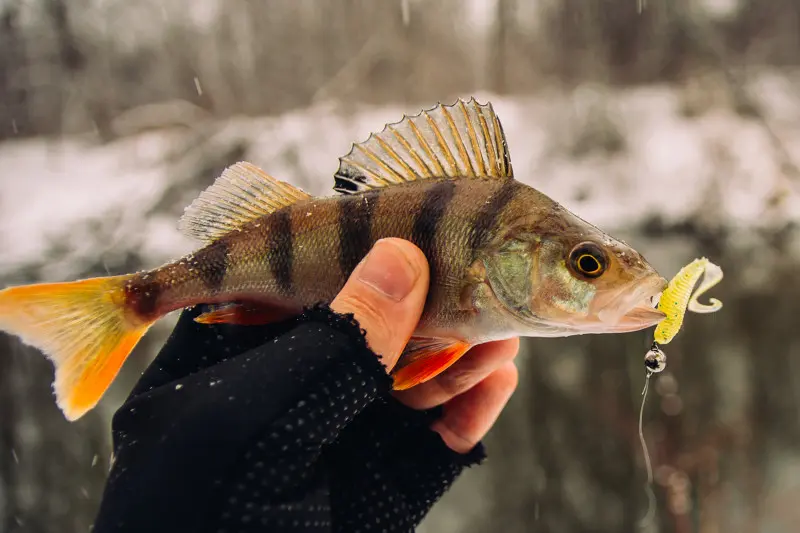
[464, 139]
[241, 194]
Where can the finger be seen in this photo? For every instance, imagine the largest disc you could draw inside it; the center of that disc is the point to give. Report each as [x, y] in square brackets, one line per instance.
[470, 370]
[469, 417]
[386, 293]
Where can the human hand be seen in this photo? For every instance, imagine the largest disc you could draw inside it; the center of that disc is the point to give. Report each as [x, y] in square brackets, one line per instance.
[386, 294]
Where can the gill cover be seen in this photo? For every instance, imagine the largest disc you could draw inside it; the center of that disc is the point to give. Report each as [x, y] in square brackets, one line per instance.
[509, 273]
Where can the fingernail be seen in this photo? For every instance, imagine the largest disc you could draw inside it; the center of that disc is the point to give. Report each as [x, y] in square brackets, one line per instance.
[387, 270]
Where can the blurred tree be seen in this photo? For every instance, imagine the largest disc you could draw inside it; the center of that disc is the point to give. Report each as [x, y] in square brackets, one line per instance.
[503, 21]
[272, 56]
[14, 118]
[72, 58]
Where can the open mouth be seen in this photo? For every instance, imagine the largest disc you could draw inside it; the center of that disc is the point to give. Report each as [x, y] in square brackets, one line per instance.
[636, 310]
[644, 314]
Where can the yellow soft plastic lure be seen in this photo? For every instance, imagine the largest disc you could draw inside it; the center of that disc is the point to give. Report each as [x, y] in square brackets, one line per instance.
[678, 297]
[674, 302]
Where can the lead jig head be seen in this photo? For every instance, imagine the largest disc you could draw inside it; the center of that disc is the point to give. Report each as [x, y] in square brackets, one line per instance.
[655, 360]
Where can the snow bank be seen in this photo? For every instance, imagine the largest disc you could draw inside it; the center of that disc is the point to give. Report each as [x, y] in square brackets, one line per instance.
[49, 191]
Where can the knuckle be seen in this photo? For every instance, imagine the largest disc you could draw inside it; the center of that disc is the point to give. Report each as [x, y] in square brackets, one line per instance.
[457, 379]
[508, 376]
[513, 349]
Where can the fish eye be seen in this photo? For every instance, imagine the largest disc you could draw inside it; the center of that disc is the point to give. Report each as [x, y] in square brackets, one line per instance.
[588, 259]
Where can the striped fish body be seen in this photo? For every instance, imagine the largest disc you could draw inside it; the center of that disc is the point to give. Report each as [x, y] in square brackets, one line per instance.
[303, 253]
[504, 259]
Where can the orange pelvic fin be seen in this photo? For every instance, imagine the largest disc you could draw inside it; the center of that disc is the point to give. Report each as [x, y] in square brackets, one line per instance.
[244, 314]
[425, 358]
[82, 327]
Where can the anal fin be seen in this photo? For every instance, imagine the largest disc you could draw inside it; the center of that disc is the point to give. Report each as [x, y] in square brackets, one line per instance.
[425, 358]
[244, 314]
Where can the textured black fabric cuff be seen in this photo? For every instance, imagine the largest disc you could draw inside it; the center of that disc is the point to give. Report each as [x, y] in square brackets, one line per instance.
[189, 423]
[347, 325]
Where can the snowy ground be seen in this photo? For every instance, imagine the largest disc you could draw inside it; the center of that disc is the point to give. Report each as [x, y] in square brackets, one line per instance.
[615, 159]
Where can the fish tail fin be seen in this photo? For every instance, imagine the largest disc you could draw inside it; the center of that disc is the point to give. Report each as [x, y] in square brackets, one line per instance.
[83, 327]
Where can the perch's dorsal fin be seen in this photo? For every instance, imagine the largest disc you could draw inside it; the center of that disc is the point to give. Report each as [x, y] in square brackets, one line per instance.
[241, 194]
[461, 140]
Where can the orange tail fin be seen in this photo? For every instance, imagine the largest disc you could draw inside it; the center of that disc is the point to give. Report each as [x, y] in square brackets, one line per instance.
[82, 327]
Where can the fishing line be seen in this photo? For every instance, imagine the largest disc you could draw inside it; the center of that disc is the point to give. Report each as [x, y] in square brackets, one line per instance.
[648, 487]
[654, 361]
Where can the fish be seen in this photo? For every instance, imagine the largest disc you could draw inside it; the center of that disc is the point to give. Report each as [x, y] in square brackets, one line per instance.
[505, 259]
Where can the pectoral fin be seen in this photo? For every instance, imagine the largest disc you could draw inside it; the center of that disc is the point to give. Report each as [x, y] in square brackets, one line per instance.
[425, 358]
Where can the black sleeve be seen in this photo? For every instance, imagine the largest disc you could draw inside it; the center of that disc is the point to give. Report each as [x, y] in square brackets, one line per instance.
[287, 427]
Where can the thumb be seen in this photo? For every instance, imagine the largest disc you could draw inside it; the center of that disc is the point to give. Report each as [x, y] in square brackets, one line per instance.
[386, 293]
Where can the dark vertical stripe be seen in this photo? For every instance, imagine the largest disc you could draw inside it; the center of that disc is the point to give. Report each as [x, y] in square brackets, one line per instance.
[487, 216]
[141, 295]
[427, 221]
[211, 264]
[280, 248]
[355, 223]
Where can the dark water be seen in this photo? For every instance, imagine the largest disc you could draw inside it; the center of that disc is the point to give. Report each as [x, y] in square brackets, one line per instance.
[722, 422]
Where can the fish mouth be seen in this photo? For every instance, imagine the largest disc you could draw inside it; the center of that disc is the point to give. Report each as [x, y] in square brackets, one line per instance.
[637, 309]
[640, 317]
